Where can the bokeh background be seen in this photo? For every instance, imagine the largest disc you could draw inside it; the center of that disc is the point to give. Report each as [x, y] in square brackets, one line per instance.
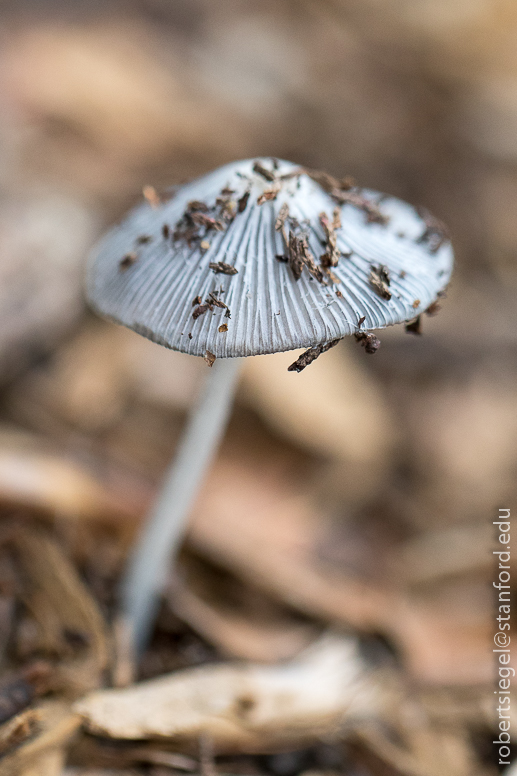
[358, 494]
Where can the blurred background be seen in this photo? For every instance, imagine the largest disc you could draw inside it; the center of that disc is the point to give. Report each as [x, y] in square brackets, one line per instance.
[357, 495]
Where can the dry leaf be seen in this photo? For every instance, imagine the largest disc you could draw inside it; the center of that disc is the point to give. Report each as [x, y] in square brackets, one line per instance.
[240, 634]
[428, 752]
[449, 552]
[33, 476]
[277, 546]
[48, 764]
[64, 611]
[57, 726]
[445, 632]
[18, 729]
[244, 707]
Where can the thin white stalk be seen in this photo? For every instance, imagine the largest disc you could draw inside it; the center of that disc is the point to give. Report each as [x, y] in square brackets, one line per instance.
[163, 532]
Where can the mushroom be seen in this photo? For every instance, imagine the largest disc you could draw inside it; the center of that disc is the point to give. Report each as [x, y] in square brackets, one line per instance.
[259, 256]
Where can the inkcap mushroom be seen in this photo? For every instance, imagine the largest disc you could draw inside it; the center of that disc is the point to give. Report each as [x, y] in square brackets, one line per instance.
[259, 256]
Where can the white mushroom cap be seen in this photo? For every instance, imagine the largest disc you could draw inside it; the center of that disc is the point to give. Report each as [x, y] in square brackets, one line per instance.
[143, 277]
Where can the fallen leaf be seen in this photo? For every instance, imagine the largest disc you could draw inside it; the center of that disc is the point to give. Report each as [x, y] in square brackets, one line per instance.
[63, 609]
[57, 725]
[244, 707]
[240, 634]
[18, 729]
[35, 477]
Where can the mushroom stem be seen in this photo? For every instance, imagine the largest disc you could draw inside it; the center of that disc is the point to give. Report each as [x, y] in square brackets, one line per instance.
[147, 572]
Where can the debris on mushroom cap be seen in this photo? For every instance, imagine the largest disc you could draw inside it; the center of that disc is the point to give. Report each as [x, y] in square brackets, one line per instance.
[331, 257]
[243, 201]
[221, 266]
[415, 327]
[380, 281]
[200, 309]
[370, 342]
[311, 355]
[209, 358]
[269, 194]
[297, 269]
[435, 233]
[434, 308]
[127, 261]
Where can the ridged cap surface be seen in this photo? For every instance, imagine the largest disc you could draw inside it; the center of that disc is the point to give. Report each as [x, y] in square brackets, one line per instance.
[152, 273]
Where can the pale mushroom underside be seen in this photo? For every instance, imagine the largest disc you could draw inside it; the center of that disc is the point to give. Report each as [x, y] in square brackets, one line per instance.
[144, 278]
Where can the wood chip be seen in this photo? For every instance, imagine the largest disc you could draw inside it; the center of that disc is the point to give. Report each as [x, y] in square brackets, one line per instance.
[128, 261]
[414, 327]
[328, 183]
[209, 358]
[269, 194]
[331, 257]
[243, 201]
[214, 300]
[195, 219]
[220, 266]
[283, 214]
[311, 355]
[380, 280]
[295, 259]
[434, 308]
[209, 222]
[373, 214]
[370, 342]
[197, 206]
[340, 191]
[267, 174]
[300, 256]
[310, 262]
[200, 310]
[227, 208]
